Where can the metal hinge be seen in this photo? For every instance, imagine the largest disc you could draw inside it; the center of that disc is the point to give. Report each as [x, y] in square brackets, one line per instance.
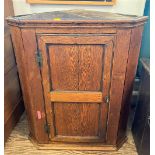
[47, 128]
[39, 58]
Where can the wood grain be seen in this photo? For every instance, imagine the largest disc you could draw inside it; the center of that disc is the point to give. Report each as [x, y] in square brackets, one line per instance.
[117, 83]
[74, 119]
[133, 56]
[76, 39]
[91, 59]
[85, 69]
[106, 86]
[34, 82]
[64, 66]
[94, 59]
[75, 96]
[77, 30]
[19, 53]
[45, 75]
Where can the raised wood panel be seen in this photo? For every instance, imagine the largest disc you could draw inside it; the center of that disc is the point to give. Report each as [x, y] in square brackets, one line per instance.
[64, 67]
[76, 119]
[91, 60]
[78, 96]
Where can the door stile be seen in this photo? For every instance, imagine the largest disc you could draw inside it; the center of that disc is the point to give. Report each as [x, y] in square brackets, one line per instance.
[46, 88]
[104, 106]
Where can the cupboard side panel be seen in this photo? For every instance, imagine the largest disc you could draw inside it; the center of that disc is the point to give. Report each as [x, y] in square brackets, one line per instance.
[117, 83]
[35, 83]
[134, 50]
[19, 53]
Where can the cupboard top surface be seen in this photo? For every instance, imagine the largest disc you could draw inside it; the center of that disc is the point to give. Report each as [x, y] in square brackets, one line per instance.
[76, 16]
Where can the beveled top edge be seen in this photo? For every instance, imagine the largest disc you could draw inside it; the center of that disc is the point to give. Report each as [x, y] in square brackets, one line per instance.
[75, 16]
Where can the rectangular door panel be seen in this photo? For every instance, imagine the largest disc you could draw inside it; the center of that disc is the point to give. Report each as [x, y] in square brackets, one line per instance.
[74, 119]
[90, 67]
[64, 67]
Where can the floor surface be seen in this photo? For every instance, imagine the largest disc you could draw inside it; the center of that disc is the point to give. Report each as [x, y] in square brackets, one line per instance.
[19, 144]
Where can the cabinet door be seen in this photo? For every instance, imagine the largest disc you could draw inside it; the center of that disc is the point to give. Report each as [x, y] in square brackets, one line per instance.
[76, 73]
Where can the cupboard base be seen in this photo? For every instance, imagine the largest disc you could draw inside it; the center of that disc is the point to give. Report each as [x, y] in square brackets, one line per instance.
[78, 147]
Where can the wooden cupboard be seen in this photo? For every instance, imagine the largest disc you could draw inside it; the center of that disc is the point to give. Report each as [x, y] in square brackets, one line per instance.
[76, 69]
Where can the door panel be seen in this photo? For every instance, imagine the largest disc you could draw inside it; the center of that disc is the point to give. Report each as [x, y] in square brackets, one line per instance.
[74, 119]
[76, 76]
[64, 67]
[90, 67]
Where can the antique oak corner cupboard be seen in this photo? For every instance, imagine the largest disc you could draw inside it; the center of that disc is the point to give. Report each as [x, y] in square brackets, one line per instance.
[76, 69]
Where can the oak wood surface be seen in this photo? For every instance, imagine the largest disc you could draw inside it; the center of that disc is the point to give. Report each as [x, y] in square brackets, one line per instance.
[19, 53]
[117, 82]
[35, 88]
[77, 30]
[85, 39]
[85, 51]
[47, 88]
[75, 96]
[85, 70]
[133, 55]
[63, 64]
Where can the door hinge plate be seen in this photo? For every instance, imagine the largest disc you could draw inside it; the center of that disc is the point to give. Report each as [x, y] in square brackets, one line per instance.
[39, 58]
